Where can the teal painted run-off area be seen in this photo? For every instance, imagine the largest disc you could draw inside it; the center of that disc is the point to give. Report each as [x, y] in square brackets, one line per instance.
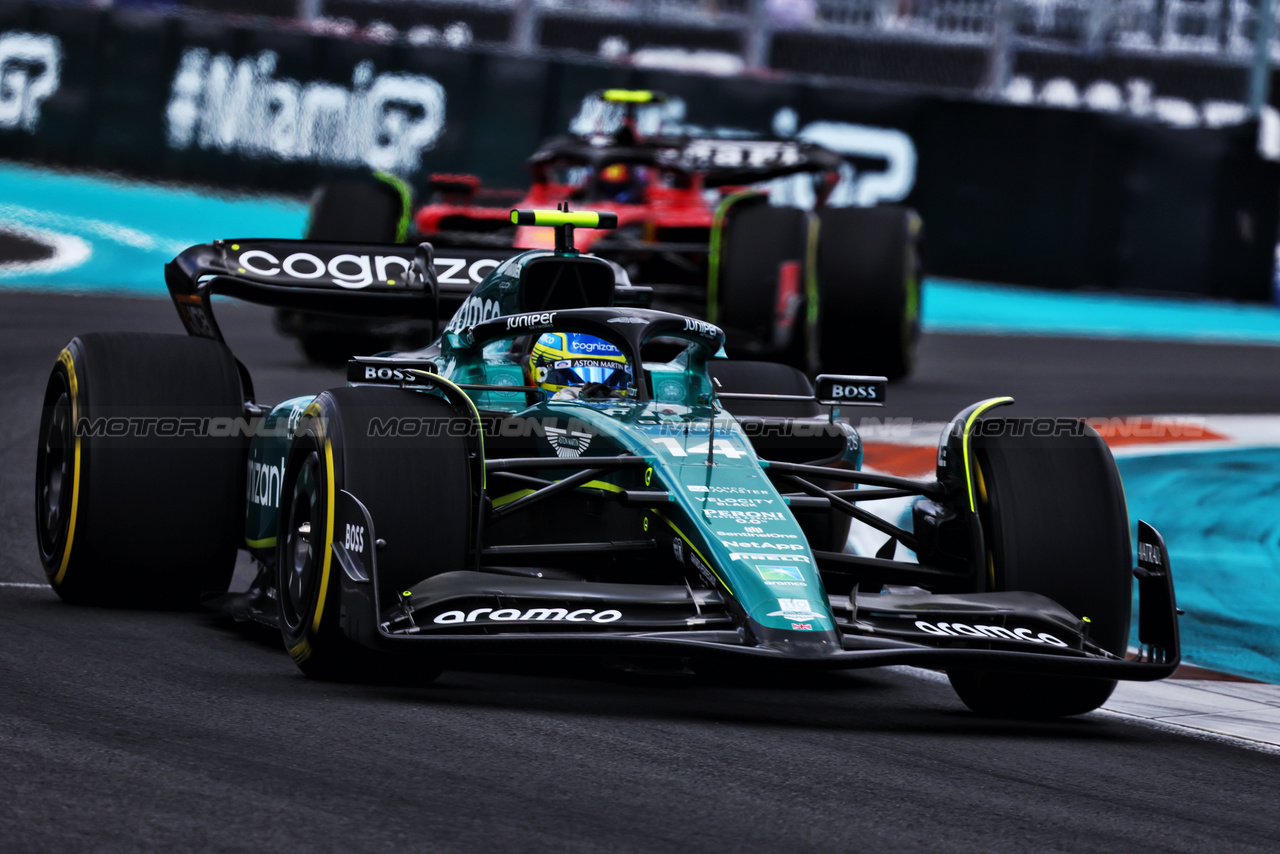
[118, 235]
[1219, 511]
[114, 236]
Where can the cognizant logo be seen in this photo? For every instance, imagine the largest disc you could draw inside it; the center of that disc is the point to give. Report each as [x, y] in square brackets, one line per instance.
[348, 271]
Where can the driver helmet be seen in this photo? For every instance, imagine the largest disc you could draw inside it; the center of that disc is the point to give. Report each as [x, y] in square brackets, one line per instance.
[567, 364]
[621, 182]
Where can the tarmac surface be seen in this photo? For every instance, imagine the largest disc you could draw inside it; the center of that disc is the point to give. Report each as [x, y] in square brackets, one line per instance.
[146, 730]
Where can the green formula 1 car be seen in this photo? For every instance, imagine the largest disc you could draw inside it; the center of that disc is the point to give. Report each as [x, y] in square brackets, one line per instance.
[568, 472]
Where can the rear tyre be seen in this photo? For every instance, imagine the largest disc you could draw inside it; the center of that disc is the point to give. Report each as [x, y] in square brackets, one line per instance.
[760, 280]
[335, 349]
[1054, 518]
[364, 210]
[746, 377]
[135, 503]
[868, 270]
[418, 491]
[361, 210]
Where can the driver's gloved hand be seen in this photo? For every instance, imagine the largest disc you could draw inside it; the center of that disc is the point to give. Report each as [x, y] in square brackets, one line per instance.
[598, 391]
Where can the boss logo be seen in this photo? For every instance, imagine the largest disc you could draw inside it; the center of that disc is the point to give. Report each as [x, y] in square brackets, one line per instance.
[372, 373]
[858, 392]
[835, 390]
[354, 541]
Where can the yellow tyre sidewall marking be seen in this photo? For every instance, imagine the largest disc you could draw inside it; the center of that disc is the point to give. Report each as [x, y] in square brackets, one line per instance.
[328, 532]
[67, 362]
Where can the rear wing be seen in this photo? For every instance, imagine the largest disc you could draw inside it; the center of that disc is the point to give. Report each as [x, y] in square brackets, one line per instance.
[367, 280]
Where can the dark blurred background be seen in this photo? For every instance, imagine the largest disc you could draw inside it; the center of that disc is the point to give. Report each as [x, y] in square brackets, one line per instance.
[1109, 144]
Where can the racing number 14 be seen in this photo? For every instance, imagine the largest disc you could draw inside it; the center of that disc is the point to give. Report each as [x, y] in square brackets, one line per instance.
[722, 447]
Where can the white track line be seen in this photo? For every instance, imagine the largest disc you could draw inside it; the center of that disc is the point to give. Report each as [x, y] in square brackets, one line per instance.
[23, 584]
[1238, 713]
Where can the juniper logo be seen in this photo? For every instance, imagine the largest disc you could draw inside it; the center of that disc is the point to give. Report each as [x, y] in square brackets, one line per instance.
[384, 121]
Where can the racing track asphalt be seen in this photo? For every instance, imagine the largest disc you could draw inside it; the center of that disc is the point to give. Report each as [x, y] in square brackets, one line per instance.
[139, 730]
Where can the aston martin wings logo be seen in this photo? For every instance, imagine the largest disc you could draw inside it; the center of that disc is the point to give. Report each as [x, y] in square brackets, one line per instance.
[568, 443]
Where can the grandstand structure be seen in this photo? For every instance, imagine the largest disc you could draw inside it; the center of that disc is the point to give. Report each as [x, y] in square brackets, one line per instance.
[1105, 54]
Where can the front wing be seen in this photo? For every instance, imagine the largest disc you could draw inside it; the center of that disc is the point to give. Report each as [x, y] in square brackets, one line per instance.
[439, 618]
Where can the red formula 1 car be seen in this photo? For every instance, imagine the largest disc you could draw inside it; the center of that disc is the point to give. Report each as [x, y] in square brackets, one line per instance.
[820, 288]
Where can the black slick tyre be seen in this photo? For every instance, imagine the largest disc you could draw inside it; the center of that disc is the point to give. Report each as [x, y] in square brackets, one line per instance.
[749, 377]
[369, 209]
[361, 210]
[868, 280]
[418, 491]
[1055, 522]
[760, 279]
[138, 500]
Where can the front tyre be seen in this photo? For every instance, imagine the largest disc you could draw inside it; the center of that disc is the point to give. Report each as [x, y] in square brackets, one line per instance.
[417, 487]
[1055, 522]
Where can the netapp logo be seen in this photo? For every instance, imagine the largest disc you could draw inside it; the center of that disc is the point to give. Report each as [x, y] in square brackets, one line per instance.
[30, 71]
[384, 121]
[997, 632]
[348, 271]
[509, 615]
[740, 544]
